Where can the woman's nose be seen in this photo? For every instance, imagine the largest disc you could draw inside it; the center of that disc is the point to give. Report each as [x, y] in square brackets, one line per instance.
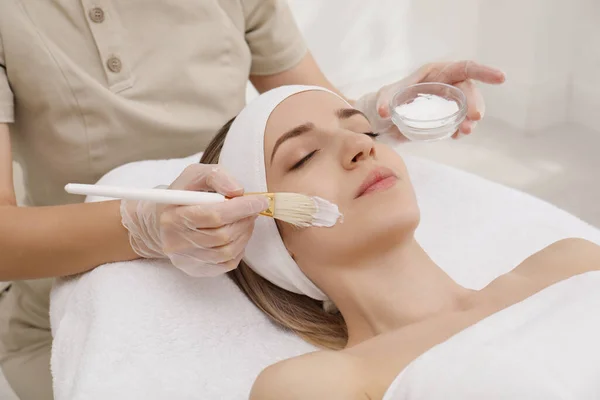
[357, 148]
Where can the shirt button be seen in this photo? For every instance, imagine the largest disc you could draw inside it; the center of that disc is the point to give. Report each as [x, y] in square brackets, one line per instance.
[114, 64]
[97, 15]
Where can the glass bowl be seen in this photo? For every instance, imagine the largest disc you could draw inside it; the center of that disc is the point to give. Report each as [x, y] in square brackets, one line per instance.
[434, 127]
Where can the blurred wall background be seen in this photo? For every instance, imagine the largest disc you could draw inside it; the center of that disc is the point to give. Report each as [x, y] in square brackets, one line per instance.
[550, 49]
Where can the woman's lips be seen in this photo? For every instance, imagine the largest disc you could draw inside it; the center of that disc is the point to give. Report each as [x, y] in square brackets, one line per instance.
[381, 185]
[378, 180]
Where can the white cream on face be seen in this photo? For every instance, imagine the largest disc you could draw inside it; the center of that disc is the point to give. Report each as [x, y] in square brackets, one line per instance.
[327, 213]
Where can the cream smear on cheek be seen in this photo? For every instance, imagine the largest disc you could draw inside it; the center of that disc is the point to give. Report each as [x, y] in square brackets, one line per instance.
[327, 214]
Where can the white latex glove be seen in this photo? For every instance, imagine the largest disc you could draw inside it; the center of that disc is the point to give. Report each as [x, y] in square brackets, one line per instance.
[204, 240]
[461, 74]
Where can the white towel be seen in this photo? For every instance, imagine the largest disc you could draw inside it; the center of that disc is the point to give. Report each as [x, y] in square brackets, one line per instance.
[144, 330]
[543, 348]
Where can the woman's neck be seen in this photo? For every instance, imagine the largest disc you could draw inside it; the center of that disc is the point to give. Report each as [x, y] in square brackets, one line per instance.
[390, 290]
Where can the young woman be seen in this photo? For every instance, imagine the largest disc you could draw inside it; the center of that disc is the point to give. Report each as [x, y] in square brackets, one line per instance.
[398, 317]
[88, 86]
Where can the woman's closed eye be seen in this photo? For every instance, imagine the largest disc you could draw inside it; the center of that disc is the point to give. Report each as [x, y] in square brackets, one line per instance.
[310, 155]
[303, 160]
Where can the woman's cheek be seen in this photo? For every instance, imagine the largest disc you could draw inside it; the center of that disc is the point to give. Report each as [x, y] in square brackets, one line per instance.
[311, 184]
[319, 246]
[390, 158]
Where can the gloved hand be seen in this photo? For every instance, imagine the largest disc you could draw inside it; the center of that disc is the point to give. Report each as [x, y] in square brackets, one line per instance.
[204, 240]
[461, 74]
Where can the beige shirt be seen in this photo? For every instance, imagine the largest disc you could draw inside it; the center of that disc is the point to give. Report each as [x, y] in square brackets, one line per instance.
[94, 84]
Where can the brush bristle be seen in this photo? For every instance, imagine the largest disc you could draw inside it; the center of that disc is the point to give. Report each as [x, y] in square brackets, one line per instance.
[304, 211]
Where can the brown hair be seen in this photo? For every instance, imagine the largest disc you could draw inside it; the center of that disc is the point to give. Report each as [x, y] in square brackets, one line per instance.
[300, 314]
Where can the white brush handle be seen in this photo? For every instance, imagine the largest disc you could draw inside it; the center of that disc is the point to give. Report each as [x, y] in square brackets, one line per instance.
[163, 196]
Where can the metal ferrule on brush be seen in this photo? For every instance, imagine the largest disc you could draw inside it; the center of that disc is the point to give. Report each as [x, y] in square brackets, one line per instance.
[269, 212]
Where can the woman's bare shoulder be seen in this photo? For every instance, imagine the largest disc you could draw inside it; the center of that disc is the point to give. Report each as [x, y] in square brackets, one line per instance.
[319, 375]
[562, 259]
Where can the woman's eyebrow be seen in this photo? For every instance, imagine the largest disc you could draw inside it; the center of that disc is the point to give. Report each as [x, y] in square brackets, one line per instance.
[292, 133]
[345, 113]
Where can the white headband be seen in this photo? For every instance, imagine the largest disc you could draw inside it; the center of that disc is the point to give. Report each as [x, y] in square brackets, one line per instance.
[243, 156]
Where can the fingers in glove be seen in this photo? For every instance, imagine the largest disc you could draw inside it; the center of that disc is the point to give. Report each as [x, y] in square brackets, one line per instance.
[208, 177]
[220, 181]
[462, 70]
[467, 126]
[475, 103]
[217, 215]
[230, 251]
[186, 238]
[216, 255]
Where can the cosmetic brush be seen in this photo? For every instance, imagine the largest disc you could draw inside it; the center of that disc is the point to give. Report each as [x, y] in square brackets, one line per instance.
[296, 209]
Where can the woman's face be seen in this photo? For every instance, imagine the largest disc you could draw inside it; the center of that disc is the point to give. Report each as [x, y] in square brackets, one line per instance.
[316, 145]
